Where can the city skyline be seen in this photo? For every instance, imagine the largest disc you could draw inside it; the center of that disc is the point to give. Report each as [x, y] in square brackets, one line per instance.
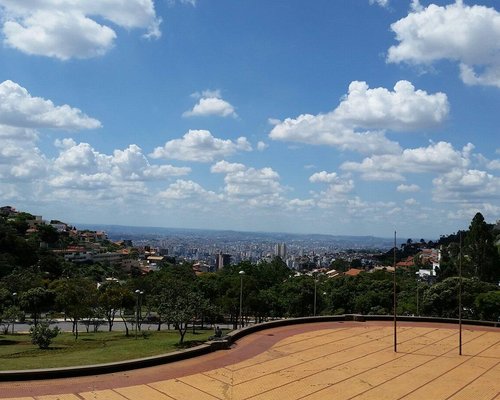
[342, 118]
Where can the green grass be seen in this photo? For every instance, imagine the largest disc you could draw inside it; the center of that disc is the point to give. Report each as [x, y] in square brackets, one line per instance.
[17, 352]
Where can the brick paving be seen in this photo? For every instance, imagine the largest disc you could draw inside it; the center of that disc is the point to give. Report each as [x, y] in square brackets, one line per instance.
[330, 360]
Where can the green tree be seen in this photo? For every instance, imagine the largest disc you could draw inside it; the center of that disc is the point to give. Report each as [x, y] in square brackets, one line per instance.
[482, 255]
[180, 305]
[42, 334]
[76, 298]
[111, 297]
[35, 301]
[441, 299]
[488, 305]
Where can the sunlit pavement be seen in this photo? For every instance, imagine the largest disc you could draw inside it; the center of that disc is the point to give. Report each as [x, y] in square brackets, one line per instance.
[313, 361]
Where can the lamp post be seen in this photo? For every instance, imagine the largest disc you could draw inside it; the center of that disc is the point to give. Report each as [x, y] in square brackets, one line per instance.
[14, 296]
[242, 273]
[315, 293]
[138, 294]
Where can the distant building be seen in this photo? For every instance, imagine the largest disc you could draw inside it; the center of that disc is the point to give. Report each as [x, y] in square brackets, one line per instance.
[280, 250]
[222, 261]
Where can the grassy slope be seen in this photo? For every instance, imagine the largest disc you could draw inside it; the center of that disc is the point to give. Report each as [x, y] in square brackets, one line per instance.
[17, 352]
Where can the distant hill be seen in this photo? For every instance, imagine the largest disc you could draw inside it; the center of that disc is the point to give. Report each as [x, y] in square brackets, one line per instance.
[118, 232]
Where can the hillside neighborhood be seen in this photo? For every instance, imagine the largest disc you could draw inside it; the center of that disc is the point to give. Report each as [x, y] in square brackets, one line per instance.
[49, 266]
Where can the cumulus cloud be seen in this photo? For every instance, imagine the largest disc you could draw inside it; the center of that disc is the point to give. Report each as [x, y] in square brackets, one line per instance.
[19, 109]
[408, 188]
[438, 157]
[466, 185]
[324, 177]
[493, 164]
[210, 103]
[255, 186]
[183, 190]
[403, 109]
[200, 146]
[66, 29]
[469, 35]
[336, 190]
[21, 115]
[362, 117]
[81, 165]
[20, 161]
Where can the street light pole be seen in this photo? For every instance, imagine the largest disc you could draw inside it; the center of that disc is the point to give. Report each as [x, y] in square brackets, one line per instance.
[138, 294]
[242, 273]
[14, 316]
[315, 293]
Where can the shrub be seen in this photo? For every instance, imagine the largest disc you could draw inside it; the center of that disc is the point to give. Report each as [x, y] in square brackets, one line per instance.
[42, 335]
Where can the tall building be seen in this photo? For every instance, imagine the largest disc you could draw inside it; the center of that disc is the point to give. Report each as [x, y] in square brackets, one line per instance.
[222, 260]
[280, 250]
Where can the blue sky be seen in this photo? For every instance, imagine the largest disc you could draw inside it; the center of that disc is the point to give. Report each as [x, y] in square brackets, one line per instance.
[344, 117]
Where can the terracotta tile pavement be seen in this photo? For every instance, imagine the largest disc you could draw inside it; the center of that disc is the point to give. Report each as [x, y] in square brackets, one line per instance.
[334, 360]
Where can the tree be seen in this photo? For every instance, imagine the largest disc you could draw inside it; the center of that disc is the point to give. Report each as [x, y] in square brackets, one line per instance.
[42, 334]
[180, 305]
[110, 299]
[35, 301]
[441, 299]
[76, 297]
[482, 255]
[488, 305]
[297, 296]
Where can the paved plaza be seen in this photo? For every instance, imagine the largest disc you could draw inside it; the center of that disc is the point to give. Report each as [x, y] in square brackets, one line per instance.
[334, 360]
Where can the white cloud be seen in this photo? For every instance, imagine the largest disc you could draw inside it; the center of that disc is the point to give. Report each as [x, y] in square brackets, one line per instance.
[493, 164]
[336, 190]
[408, 188]
[261, 146]
[255, 186]
[15, 133]
[411, 202]
[19, 109]
[466, 185]
[80, 167]
[210, 103]
[469, 35]
[438, 157]
[186, 190]
[403, 109]
[300, 203]
[381, 3]
[20, 116]
[66, 29]
[200, 146]
[224, 167]
[324, 177]
[20, 161]
[360, 120]
[323, 130]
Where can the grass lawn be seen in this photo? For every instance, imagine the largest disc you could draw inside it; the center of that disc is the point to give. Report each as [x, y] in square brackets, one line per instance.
[17, 352]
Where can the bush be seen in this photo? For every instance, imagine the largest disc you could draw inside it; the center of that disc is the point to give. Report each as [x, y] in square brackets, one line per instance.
[42, 335]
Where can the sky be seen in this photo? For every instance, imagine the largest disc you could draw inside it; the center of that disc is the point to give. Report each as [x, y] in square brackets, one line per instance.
[346, 117]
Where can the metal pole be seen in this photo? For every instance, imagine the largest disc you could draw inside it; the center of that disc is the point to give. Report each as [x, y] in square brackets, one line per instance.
[315, 290]
[14, 317]
[136, 311]
[417, 301]
[394, 297]
[460, 298]
[241, 297]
